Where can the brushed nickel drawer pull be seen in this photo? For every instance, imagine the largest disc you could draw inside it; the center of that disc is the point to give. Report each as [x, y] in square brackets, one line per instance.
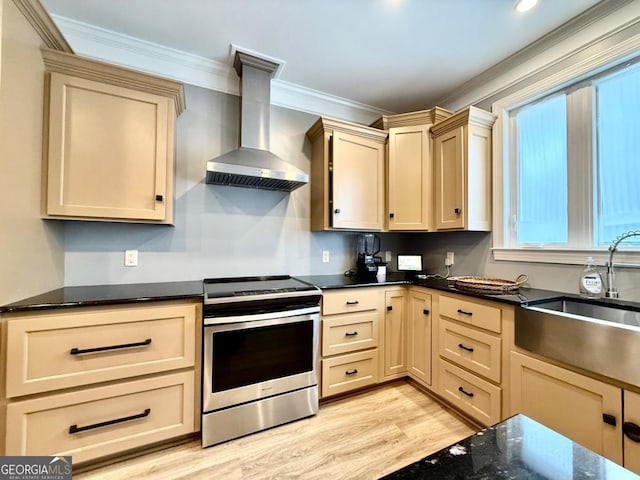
[76, 428]
[352, 302]
[78, 351]
[464, 312]
[468, 394]
[464, 347]
[351, 372]
[350, 334]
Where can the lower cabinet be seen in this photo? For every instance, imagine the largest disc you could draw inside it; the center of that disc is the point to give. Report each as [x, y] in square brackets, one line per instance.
[102, 421]
[394, 346]
[586, 410]
[419, 336]
[348, 372]
[631, 429]
[95, 381]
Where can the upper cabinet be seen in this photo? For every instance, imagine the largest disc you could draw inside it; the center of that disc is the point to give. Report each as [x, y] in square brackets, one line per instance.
[462, 157]
[109, 141]
[347, 176]
[410, 168]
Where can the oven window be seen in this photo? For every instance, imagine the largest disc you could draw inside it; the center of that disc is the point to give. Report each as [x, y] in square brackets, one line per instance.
[244, 357]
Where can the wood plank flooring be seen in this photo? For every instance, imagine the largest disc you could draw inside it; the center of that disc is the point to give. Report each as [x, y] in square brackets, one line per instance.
[363, 436]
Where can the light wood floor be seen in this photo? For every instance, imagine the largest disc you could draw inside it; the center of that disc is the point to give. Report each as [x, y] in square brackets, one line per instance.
[360, 437]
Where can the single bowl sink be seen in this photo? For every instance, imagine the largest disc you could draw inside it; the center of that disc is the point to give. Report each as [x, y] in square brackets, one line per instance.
[599, 336]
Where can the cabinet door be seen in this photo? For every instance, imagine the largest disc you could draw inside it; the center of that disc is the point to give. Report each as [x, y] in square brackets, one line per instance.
[419, 336]
[631, 427]
[394, 334]
[410, 191]
[450, 180]
[576, 406]
[108, 152]
[357, 185]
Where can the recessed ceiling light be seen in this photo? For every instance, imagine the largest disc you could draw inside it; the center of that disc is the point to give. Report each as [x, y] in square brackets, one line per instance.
[524, 5]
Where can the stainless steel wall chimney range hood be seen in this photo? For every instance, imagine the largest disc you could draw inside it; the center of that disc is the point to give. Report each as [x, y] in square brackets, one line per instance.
[253, 165]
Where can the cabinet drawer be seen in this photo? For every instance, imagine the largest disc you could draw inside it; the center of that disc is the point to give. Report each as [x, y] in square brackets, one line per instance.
[349, 300]
[472, 313]
[348, 372]
[348, 333]
[474, 396]
[65, 348]
[149, 410]
[477, 351]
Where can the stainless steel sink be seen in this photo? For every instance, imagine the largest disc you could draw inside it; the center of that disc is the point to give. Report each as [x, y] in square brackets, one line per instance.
[598, 336]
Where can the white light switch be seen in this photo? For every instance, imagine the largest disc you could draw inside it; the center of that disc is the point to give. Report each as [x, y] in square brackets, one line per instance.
[325, 256]
[131, 258]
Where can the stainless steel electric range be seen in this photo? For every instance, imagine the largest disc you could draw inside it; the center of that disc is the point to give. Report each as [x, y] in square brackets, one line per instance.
[260, 354]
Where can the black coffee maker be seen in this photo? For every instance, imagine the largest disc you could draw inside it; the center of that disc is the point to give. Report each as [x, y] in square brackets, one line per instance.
[367, 262]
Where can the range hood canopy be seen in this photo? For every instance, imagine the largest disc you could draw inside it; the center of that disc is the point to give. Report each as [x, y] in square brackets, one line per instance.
[253, 165]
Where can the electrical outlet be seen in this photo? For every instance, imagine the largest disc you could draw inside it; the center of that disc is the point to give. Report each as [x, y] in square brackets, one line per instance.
[131, 258]
[448, 261]
[387, 256]
[325, 256]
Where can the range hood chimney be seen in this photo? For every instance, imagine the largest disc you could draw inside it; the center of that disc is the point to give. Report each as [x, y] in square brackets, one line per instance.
[253, 165]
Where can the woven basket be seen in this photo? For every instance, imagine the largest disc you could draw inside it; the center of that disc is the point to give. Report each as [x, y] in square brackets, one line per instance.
[491, 285]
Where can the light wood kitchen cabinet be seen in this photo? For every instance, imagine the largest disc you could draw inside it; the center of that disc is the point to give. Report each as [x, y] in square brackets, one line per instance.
[631, 429]
[586, 410]
[347, 176]
[419, 336]
[94, 381]
[409, 172]
[394, 346]
[462, 170]
[350, 327]
[109, 146]
[471, 357]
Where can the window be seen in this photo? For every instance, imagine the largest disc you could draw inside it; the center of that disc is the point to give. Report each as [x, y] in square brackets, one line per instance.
[571, 166]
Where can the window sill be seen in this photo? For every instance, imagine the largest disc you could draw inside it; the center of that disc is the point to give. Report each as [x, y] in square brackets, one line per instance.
[622, 258]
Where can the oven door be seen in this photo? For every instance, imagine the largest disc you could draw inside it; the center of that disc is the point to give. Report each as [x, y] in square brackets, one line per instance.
[250, 357]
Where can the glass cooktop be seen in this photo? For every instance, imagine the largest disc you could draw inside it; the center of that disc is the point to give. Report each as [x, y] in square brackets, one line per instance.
[248, 286]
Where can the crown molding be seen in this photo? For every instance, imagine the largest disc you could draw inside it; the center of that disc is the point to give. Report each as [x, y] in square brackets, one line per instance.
[101, 44]
[42, 23]
[510, 71]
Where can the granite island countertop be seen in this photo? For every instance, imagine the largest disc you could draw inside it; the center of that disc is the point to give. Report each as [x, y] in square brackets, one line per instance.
[517, 448]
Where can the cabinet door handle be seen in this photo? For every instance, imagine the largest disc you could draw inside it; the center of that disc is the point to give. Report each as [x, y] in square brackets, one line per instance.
[76, 428]
[468, 394]
[425, 312]
[391, 215]
[389, 308]
[352, 302]
[351, 372]
[609, 419]
[78, 351]
[159, 198]
[464, 347]
[350, 334]
[457, 211]
[632, 431]
[464, 312]
[336, 211]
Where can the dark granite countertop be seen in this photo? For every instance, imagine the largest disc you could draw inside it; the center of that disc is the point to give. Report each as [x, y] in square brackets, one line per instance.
[517, 448]
[108, 294]
[524, 296]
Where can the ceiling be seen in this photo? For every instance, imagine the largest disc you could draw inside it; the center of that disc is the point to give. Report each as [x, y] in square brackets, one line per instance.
[395, 55]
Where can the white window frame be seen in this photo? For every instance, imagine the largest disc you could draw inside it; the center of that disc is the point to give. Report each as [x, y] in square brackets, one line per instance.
[502, 154]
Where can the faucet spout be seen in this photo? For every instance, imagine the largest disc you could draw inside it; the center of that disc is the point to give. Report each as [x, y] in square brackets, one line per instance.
[612, 291]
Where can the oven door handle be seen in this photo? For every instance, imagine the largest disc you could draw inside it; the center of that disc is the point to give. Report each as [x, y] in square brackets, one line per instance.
[260, 316]
[247, 325]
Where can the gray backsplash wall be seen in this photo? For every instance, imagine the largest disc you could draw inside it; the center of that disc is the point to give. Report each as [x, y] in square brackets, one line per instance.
[219, 231]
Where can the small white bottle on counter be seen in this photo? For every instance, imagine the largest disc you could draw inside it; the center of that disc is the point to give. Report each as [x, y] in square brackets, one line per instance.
[591, 285]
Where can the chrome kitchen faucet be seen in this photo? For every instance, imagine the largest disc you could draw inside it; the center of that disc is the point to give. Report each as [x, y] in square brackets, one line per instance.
[612, 291]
